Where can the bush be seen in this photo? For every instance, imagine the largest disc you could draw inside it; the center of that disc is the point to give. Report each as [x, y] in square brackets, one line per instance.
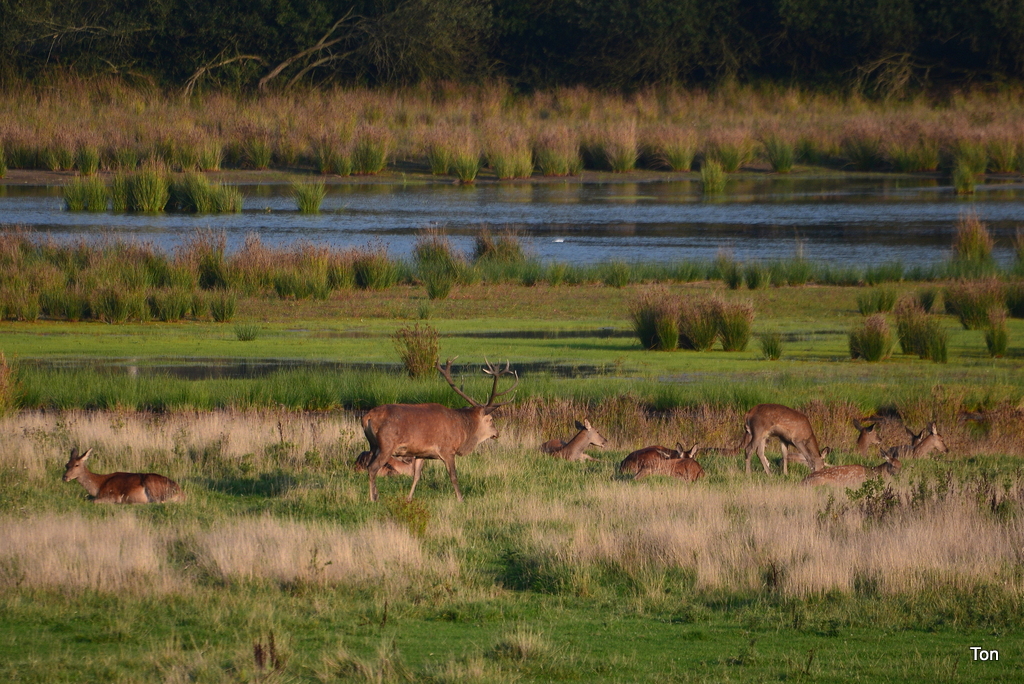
[876, 300]
[871, 341]
[735, 320]
[971, 300]
[417, 346]
[996, 338]
[699, 323]
[771, 346]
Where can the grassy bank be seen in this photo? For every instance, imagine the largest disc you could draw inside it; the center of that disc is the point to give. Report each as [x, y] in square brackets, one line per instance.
[89, 125]
[593, 578]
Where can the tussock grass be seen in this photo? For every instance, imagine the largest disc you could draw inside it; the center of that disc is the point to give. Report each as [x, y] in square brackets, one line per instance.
[964, 178]
[712, 177]
[971, 301]
[921, 155]
[85, 194]
[872, 340]
[972, 247]
[193, 193]
[876, 300]
[781, 153]
[309, 196]
[863, 150]
[920, 333]
[371, 148]
[247, 332]
[556, 151]
[771, 345]
[996, 336]
[87, 160]
[418, 348]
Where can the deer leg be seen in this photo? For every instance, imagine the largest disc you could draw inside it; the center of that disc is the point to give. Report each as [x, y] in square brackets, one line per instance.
[760, 455]
[417, 470]
[450, 464]
[785, 458]
[377, 461]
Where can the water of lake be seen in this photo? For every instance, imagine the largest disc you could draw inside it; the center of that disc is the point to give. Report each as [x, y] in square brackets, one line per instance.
[838, 220]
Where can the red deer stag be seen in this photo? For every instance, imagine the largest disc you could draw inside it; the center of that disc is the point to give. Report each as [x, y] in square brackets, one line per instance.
[412, 433]
[659, 460]
[853, 476]
[867, 437]
[121, 487]
[924, 442]
[793, 430]
[573, 449]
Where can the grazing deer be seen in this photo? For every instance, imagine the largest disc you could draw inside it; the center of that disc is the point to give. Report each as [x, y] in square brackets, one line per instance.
[924, 442]
[394, 466]
[416, 432]
[121, 487]
[867, 437]
[659, 460]
[854, 475]
[793, 430]
[573, 449]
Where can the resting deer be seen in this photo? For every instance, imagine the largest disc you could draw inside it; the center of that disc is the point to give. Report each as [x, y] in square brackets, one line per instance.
[121, 487]
[925, 442]
[659, 460]
[412, 433]
[867, 437]
[793, 430]
[573, 449]
[392, 467]
[854, 475]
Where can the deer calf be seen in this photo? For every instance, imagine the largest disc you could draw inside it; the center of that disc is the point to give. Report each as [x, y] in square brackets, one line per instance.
[924, 442]
[573, 449]
[867, 437]
[659, 460]
[852, 476]
[121, 487]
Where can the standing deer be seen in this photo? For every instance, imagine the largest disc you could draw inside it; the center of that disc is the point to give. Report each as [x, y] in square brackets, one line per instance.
[925, 442]
[573, 449]
[416, 432]
[793, 430]
[854, 475]
[121, 487]
[659, 460]
[867, 436]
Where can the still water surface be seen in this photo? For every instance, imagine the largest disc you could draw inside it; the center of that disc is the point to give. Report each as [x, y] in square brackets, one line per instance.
[839, 220]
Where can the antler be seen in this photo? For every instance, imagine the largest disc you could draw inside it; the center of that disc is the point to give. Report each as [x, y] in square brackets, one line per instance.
[446, 371]
[494, 371]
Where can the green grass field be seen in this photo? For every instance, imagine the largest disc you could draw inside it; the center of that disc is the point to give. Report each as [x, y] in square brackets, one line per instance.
[549, 571]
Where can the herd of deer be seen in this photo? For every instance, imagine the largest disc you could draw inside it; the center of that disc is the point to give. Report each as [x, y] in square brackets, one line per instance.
[402, 437]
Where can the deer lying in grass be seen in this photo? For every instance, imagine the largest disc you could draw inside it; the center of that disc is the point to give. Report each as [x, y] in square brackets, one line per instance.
[573, 449]
[659, 460]
[121, 487]
[392, 467]
[793, 430]
[867, 437]
[924, 442]
[853, 476]
[416, 432]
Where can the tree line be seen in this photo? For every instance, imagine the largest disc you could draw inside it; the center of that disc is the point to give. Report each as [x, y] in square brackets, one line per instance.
[888, 46]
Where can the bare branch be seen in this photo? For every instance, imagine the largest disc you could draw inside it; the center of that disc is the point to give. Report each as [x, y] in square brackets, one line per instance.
[190, 84]
[321, 44]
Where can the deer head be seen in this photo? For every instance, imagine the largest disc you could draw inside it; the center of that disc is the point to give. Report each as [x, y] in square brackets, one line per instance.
[75, 465]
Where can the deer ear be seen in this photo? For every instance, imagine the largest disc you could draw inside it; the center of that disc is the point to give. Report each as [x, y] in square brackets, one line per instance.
[586, 423]
[85, 455]
[581, 426]
[826, 451]
[933, 429]
[870, 428]
[74, 452]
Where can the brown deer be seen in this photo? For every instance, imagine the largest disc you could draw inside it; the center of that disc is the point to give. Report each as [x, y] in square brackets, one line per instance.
[392, 467]
[412, 433]
[659, 460]
[573, 449]
[924, 442]
[793, 430]
[867, 437]
[854, 475]
[121, 487]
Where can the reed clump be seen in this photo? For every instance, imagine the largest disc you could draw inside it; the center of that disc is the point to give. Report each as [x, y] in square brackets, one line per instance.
[309, 196]
[556, 151]
[872, 340]
[735, 321]
[972, 247]
[712, 177]
[509, 154]
[438, 265]
[419, 349]
[757, 275]
[371, 149]
[87, 160]
[771, 345]
[373, 269]
[193, 193]
[86, 194]
[671, 147]
[920, 155]
[222, 307]
[247, 332]
[781, 153]
[699, 323]
[972, 300]
[997, 338]
[876, 300]
[654, 315]
[919, 332]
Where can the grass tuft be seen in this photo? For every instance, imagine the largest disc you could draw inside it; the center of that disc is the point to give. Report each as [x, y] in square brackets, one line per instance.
[418, 347]
[85, 194]
[309, 196]
[247, 332]
[712, 177]
[872, 340]
[876, 300]
[771, 345]
[996, 337]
